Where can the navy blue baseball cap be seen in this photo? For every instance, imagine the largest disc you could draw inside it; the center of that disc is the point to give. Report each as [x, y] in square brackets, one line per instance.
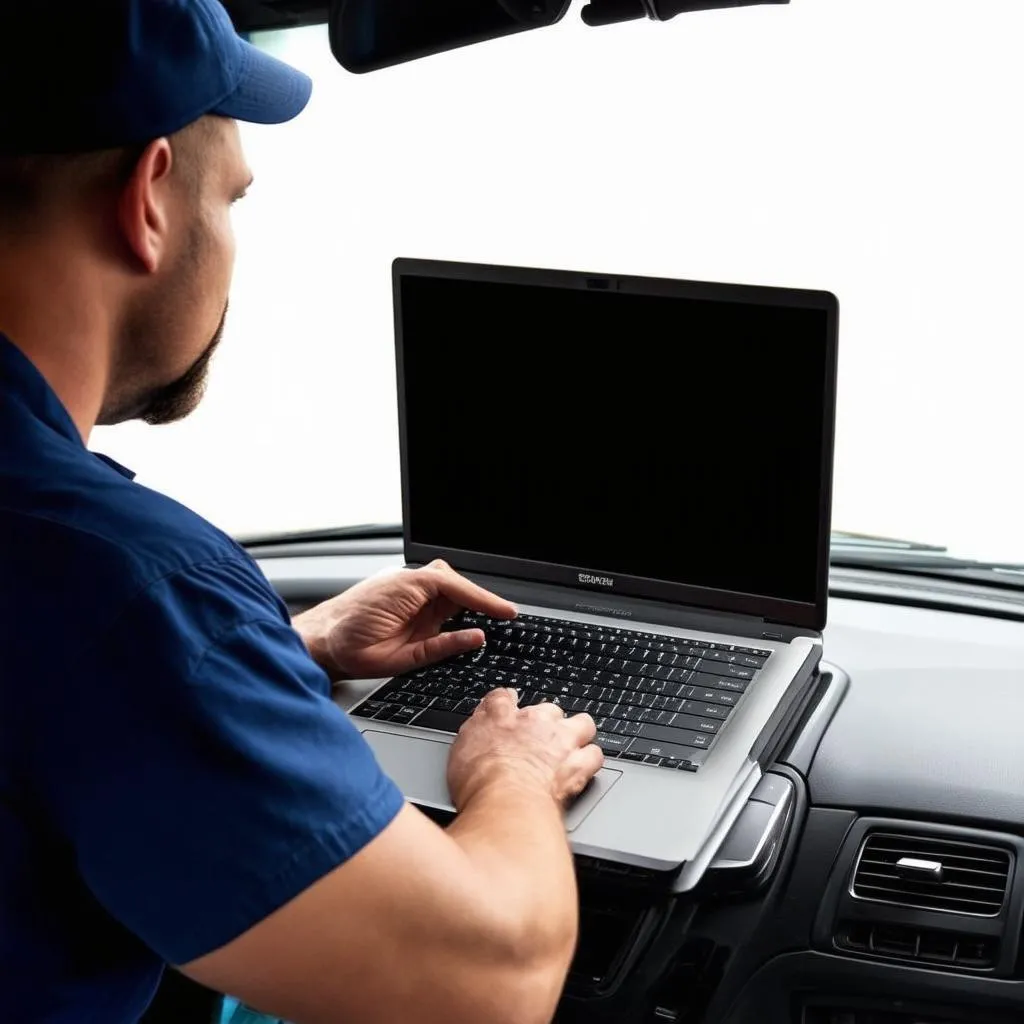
[84, 75]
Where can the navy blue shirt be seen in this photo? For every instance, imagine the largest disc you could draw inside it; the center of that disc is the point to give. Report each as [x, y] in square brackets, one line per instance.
[172, 767]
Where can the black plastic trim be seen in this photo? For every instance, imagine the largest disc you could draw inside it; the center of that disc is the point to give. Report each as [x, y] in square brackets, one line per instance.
[786, 719]
[814, 718]
[786, 984]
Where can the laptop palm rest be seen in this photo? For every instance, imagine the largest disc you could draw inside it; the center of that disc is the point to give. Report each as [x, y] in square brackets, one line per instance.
[417, 766]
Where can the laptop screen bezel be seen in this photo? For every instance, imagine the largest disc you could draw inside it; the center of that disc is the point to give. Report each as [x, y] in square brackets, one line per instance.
[805, 615]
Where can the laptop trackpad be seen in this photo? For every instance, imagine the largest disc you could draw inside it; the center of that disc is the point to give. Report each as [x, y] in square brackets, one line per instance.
[417, 767]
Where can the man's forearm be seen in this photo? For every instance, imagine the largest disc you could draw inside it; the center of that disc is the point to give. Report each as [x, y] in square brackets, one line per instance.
[515, 837]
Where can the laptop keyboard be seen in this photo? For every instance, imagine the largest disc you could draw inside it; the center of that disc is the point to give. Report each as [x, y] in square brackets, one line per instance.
[656, 699]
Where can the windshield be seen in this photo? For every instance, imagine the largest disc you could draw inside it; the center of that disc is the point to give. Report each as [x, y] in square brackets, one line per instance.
[858, 146]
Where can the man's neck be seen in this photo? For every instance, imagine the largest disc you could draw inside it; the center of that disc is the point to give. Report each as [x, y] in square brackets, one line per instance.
[51, 307]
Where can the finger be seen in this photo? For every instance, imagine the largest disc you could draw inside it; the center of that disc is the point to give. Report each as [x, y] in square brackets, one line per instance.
[546, 709]
[467, 594]
[447, 645]
[463, 640]
[582, 727]
[502, 701]
[583, 764]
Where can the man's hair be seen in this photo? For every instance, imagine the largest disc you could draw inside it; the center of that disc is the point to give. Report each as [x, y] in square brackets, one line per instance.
[28, 184]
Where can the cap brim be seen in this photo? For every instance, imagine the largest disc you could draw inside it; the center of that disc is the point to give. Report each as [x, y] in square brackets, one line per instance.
[268, 92]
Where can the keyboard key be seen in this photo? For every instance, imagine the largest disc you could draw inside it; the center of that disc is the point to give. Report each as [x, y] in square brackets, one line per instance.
[578, 705]
[720, 656]
[694, 722]
[630, 755]
[723, 697]
[763, 655]
[720, 682]
[404, 716]
[734, 671]
[679, 737]
[652, 759]
[610, 743]
[704, 709]
[658, 748]
[442, 721]
[419, 700]
[749, 661]
[368, 709]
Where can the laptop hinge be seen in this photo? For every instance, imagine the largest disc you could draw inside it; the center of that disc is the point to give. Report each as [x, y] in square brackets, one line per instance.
[638, 609]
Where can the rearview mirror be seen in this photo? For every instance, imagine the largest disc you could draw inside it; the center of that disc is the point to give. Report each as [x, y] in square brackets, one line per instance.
[370, 34]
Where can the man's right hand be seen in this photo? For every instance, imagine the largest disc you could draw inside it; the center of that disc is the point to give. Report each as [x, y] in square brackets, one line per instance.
[536, 748]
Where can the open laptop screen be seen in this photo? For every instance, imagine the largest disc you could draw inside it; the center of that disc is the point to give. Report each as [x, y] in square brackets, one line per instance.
[599, 425]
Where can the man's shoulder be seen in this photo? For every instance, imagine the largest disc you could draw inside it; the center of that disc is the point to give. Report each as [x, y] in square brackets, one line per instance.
[89, 541]
[103, 515]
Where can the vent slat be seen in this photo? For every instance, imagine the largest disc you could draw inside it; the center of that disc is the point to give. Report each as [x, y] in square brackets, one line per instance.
[935, 887]
[922, 899]
[953, 849]
[953, 854]
[876, 862]
[974, 878]
[985, 863]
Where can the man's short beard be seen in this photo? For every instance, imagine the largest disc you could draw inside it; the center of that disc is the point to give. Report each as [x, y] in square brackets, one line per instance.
[168, 403]
[176, 400]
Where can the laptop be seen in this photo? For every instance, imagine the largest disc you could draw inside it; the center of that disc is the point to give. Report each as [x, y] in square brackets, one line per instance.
[644, 467]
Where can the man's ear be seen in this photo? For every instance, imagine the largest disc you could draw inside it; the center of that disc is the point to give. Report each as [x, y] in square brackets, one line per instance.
[144, 209]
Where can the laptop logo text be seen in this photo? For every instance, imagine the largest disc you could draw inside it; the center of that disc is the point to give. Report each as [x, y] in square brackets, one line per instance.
[601, 581]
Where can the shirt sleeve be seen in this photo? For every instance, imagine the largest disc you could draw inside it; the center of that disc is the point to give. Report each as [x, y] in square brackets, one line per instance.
[201, 770]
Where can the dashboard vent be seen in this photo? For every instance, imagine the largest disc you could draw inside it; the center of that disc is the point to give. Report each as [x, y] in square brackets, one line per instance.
[932, 873]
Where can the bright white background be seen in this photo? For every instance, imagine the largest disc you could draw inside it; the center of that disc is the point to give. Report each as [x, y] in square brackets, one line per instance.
[867, 147]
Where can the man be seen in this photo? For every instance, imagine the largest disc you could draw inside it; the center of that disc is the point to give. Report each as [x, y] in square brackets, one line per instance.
[176, 785]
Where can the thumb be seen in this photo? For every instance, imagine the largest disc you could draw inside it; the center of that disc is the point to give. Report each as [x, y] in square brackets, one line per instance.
[448, 645]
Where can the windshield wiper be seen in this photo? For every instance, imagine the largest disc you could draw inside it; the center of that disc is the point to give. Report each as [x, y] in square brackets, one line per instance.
[364, 531]
[852, 551]
[873, 542]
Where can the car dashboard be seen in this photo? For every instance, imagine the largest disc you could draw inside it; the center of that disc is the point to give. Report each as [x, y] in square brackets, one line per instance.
[872, 876]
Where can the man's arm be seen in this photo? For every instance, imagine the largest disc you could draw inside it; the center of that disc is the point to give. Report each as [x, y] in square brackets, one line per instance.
[476, 923]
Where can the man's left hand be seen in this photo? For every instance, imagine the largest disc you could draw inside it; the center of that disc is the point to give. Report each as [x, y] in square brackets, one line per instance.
[390, 624]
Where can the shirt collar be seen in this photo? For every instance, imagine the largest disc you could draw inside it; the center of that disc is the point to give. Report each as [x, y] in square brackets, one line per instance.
[115, 465]
[25, 384]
